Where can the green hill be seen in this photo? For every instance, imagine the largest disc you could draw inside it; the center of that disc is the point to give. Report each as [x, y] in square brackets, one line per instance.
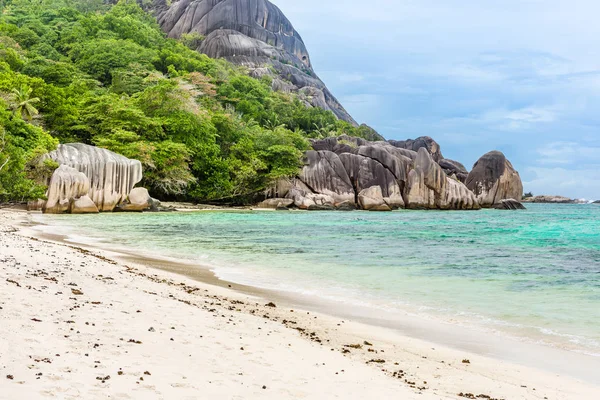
[85, 71]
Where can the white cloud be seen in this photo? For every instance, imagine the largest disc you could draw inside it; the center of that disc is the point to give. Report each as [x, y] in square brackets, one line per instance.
[564, 152]
[583, 183]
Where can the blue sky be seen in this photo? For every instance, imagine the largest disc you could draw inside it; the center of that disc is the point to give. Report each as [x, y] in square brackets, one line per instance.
[520, 76]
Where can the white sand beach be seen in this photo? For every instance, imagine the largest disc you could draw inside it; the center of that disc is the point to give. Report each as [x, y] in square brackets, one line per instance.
[88, 324]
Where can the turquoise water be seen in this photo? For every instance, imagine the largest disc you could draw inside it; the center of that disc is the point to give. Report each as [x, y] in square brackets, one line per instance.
[534, 274]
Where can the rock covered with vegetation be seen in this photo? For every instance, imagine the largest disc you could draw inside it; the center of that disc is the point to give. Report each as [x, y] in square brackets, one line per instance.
[91, 72]
[253, 33]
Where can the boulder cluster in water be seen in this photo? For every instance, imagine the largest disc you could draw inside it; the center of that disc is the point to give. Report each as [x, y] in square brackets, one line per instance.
[352, 173]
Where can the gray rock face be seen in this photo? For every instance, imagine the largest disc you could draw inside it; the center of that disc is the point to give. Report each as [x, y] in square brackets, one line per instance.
[493, 179]
[253, 33]
[371, 199]
[455, 168]
[276, 203]
[111, 176]
[430, 188]
[324, 174]
[422, 142]
[377, 175]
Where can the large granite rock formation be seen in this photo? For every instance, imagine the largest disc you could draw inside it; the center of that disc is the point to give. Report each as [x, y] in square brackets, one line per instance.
[111, 176]
[494, 179]
[325, 174]
[430, 188]
[66, 187]
[454, 168]
[426, 142]
[90, 179]
[351, 173]
[253, 33]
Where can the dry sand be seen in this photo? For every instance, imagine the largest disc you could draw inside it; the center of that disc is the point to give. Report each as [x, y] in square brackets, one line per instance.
[75, 324]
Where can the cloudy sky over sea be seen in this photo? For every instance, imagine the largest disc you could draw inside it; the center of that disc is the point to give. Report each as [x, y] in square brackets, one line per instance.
[520, 76]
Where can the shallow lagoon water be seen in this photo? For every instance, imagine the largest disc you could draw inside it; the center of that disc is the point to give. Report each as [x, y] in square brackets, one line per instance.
[532, 274]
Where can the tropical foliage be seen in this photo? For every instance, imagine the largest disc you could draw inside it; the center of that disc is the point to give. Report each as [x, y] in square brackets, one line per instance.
[91, 72]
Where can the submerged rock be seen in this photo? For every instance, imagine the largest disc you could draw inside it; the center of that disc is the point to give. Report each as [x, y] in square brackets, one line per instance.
[494, 179]
[509, 204]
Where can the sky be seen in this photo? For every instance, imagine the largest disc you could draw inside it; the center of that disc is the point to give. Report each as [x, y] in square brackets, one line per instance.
[519, 76]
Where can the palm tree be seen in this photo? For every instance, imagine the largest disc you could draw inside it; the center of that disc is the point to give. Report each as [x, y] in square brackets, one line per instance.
[24, 102]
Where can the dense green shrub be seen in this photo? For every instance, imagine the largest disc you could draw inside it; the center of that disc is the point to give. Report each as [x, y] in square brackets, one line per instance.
[106, 75]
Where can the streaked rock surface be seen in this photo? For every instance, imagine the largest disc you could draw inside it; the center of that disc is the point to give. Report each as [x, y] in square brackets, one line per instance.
[111, 176]
[66, 185]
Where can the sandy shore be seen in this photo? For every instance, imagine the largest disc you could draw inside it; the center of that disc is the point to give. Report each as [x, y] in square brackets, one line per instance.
[88, 324]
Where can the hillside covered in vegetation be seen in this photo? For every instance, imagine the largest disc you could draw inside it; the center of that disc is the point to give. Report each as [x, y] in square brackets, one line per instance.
[90, 72]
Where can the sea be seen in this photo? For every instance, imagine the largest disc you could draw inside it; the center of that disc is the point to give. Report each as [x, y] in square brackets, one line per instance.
[532, 275]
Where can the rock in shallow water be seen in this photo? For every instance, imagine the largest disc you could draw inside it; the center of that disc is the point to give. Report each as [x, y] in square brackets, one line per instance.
[509, 204]
[494, 179]
[371, 199]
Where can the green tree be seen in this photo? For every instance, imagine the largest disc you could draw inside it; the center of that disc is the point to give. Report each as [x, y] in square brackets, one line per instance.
[23, 102]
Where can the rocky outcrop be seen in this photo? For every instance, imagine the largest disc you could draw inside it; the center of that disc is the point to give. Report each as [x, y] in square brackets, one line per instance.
[550, 200]
[324, 174]
[454, 168]
[430, 188]
[426, 142]
[509, 204]
[347, 172]
[66, 186]
[255, 34]
[494, 179]
[83, 205]
[371, 199]
[138, 200]
[111, 176]
[276, 203]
